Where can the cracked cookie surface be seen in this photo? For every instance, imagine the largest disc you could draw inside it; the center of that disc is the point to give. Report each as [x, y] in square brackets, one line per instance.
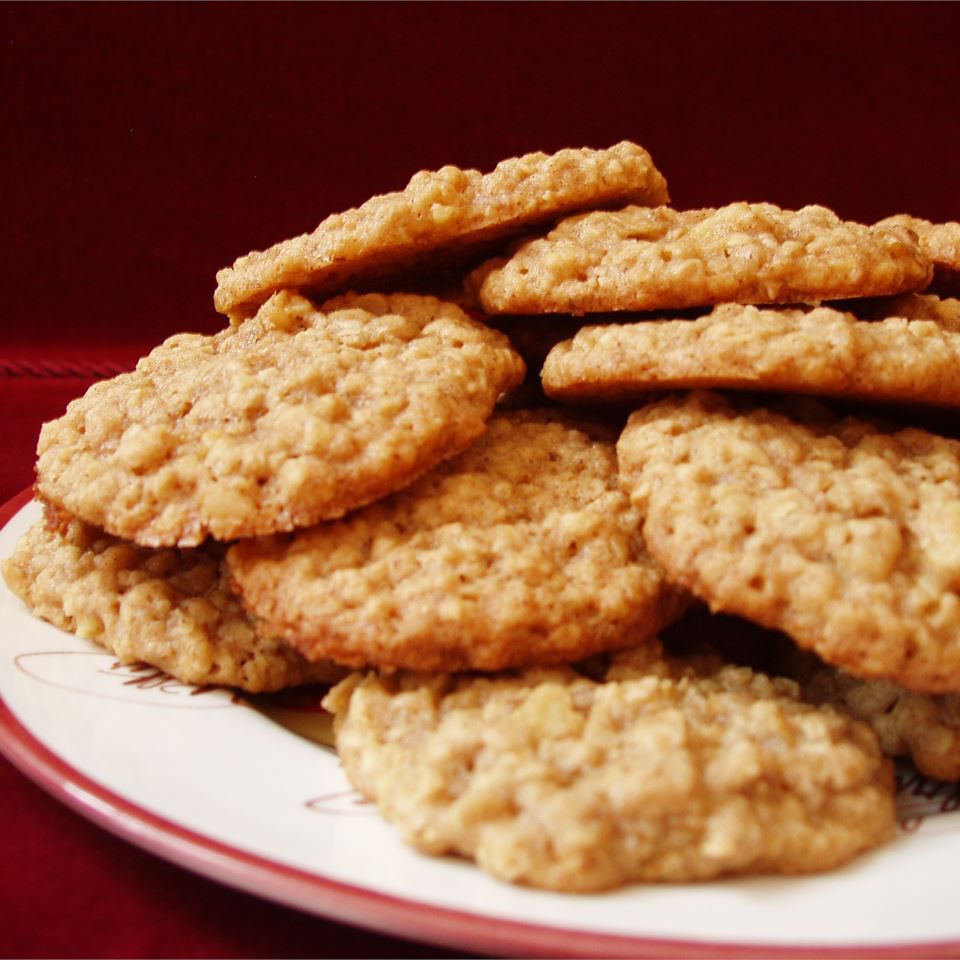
[655, 770]
[843, 535]
[438, 213]
[820, 351]
[297, 415]
[521, 550]
[643, 258]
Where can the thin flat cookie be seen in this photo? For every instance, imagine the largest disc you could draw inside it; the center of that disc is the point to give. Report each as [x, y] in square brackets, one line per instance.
[842, 535]
[642, 258]
[440, 213]
[656, 770]
[521, 550]
[169, 608]
[820, 351]
[298, 415]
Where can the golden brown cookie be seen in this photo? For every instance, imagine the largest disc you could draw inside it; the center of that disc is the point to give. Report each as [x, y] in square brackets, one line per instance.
[941, 241]
[944, 311]
[642, 258]
[922, 727]
[298, 415]
[168, 608]
[521, 550]
[818, 351]
[440, 214]
[654, 770]
[841, 534]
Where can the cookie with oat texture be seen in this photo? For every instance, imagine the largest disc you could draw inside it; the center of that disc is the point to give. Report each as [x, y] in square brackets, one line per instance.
[441, 215]
[841, 533]
[944, 311]
[170, 608]
[646, 769]
[643, 258]
[923, 727]
[522, 550]
[941, 241]
[298, 415]
[820, 351]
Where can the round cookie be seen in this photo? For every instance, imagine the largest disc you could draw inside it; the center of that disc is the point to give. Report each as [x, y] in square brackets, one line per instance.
[653, 770]
[440, 214]
[298, 415]
[521, 550]
[818, 351]
[169, 608]
[941, 241]
[642, 258]
[838, 533]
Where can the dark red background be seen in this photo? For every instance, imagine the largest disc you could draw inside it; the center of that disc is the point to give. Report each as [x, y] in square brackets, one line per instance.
[147, 145]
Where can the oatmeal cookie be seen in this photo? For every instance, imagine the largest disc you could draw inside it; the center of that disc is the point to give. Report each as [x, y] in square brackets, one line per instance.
[944, 311]
[642, 258]
[169, 608]
[440, 213]
[298, 415]
[922, 727]
[654, 770]
[521, 550]
[941, 241]
[819, 351]
[844, 535]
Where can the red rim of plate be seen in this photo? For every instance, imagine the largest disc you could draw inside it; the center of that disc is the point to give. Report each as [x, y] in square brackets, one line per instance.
[345, 903]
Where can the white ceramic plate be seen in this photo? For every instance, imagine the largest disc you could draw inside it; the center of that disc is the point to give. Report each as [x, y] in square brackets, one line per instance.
[216, 785]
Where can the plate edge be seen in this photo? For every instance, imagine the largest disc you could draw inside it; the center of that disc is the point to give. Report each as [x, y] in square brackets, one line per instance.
[390, 915]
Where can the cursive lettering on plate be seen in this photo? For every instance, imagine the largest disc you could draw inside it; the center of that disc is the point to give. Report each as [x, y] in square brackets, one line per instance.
[98, 673]
[921, 801]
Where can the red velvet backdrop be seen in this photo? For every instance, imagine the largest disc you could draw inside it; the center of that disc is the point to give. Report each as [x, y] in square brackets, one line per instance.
[147, 145]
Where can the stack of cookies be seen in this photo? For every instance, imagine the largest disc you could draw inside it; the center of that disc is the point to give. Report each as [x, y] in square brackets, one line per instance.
[483, 451]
